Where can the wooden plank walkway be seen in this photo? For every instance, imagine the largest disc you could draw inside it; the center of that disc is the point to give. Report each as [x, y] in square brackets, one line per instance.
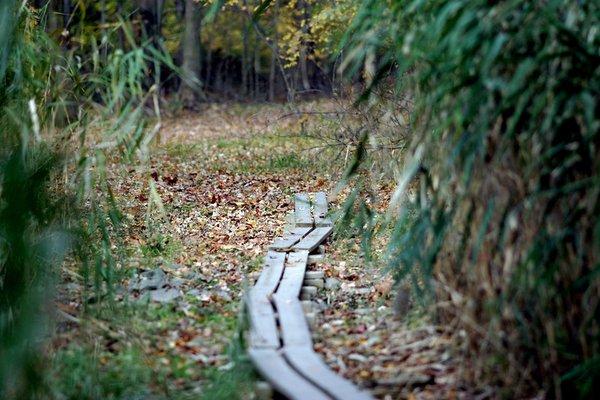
[321, 210]
[289, 239]
[313, 239]
[280, 343]
[259, 305]
[313, 368]
[302, 214]
[283, 377]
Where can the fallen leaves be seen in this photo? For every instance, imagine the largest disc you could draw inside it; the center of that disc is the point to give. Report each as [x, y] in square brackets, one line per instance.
[359, 336]
[223, 204]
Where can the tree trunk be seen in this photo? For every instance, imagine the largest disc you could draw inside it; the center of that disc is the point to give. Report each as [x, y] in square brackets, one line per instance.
[304, 47]
[272, 74]
[304, 69]
[208, 65]
[256, 67]
[219, 77]
[190, 90]
[160, 7]
[150, 12]
[245, 55]
[180, 8]
[274, 53]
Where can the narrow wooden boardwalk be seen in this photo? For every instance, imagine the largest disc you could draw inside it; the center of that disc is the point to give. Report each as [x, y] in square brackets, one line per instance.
[280, 343]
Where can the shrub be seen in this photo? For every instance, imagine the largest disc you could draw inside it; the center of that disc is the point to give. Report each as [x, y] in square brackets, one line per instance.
[505, 138]
[63, 113]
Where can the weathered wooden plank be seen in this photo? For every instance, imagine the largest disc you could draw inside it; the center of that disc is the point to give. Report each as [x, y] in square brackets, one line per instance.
[286, 380]
[271, 274]
[312, 367]
[292, 323]
[290, 222]
[313, 239]
[294, 370]
[293, 275]
[263, 325]
[320, 210]
[302, 212]
[289, 239]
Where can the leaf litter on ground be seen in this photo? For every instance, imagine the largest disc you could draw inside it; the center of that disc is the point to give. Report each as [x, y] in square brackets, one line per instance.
[224, 181]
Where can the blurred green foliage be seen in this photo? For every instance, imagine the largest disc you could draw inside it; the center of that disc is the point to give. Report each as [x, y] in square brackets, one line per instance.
[505, 225]
[63, 114]
[33, 242]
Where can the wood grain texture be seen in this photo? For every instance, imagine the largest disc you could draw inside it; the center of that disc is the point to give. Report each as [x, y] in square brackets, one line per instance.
[302, 213]
[263, 325]
[289, 239]
[271, 274]
[313, 239]
[283, 377]
[293, 275]
[292, 322]
[320, 210]
[312, 367]
[280, 343]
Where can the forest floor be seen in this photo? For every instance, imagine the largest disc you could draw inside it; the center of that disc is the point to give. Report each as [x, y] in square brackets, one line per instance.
[198, 219]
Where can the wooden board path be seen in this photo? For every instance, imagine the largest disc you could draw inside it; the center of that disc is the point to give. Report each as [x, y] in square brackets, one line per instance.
[302, 214]
[321, 210]
[264, 332]
[312, 367]
[289, 239]
[313, 239]
[280, 343]
[283, 377]
[293, 325]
